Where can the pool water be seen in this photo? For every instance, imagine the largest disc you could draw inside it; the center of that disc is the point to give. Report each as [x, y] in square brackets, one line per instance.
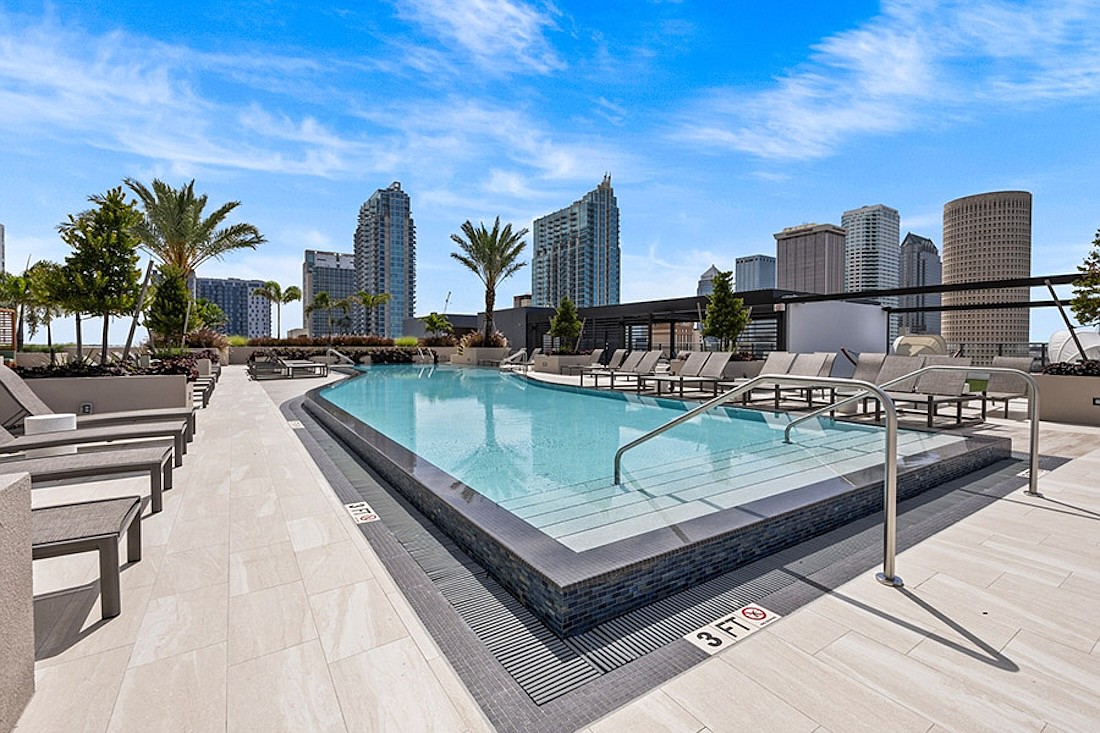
[545, 452]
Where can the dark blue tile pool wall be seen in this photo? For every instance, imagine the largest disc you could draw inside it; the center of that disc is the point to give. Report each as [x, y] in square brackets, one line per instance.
[572, 592]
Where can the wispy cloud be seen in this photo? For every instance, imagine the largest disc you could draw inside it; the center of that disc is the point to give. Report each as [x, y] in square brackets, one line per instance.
[915, 62]
[497, 35]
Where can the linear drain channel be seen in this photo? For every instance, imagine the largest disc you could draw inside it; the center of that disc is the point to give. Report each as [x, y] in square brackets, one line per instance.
[547, 666]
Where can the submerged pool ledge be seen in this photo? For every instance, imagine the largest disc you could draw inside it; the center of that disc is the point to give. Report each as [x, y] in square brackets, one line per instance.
[573, 591]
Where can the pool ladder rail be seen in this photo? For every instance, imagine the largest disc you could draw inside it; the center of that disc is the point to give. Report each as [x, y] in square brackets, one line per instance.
[890, 451]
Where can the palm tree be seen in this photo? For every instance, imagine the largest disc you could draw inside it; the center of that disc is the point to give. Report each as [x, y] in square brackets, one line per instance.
[322, 302]
[274, 292]
[371, 302]
[492, 256]
[175, 231]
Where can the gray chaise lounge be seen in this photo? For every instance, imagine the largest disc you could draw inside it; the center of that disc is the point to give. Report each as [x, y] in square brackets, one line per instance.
[174, 430]
[156, 459]
[92, 525]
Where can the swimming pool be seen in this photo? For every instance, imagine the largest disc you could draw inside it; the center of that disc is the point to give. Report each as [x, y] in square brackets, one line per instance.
[519, 473]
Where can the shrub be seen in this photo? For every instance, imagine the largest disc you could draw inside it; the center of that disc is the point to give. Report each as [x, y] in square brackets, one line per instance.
[235, 340]
[337, 341]
[1086, 368]
[447, 339]
[475, 339]
[43, 348]
[207, 338]
[406, 341]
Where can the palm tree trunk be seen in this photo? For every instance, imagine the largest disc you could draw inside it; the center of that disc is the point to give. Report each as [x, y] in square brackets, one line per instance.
[49, 344]
[490, 301]
[79, 341]
[278, 320]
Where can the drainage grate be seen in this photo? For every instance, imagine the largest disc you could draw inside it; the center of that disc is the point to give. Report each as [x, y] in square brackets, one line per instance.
[547, 667]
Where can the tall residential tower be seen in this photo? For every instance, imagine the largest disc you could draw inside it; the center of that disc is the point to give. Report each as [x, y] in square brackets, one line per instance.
[871, 239]
[987, 237]
[245, 314]
[576, 252]
[385, 255]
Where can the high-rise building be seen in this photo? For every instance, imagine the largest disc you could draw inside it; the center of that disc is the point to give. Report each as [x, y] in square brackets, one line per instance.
[576, 252]
[326, 272]
[871, 239]
[246, 314]
[706, 281]
[987, 237]
[810, 259]
[755, 272]
[919, 266]
[385, 254]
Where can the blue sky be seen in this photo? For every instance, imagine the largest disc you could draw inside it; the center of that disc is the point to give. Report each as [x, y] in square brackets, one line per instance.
[720, 122]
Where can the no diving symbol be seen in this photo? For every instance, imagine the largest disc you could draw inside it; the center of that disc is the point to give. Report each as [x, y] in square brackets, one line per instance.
[758, 616]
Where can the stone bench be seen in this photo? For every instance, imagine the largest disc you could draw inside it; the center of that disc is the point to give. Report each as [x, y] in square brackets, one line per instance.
[92, 525]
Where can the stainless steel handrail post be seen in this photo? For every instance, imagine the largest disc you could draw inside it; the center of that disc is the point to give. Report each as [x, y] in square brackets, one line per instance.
[890, 463]
[1032, 410]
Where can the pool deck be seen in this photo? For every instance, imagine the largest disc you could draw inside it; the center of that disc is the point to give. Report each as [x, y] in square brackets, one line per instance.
[258, 605]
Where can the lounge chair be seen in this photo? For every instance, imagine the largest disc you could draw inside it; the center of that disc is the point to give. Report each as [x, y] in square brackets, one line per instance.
[939, 388]
[578, 368]
[894, 367]
[867, 368]
[711, 373]
[618, 356]
[108, 433]
[813, 364]
[776, 363]
[1005, 387]
[691, 367]
[628, 363]
[157, 460]
[68, 529]
[645, 366]
[303, 367]
[31, 404]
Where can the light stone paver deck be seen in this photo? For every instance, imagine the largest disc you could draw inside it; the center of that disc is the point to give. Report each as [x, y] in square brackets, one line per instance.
[259, 606]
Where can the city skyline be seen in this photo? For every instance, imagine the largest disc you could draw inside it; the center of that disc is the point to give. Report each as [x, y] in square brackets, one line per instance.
[719, 128]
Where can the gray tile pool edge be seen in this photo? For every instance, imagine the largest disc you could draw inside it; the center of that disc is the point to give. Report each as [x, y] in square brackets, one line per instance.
[504, 701]
[574, 592]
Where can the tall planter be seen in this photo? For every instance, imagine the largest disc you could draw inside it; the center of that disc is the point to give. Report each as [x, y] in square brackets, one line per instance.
[1069, 399]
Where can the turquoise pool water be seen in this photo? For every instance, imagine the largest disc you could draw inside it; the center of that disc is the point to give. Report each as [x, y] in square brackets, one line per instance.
[545, 452]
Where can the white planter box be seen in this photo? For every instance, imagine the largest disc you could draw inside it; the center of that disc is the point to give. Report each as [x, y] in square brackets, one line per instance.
[1067, 399]
[111, 394]
[471, 357]
[553, 364]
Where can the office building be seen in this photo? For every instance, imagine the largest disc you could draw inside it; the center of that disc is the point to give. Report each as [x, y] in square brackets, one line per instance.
[332, 273]
[385, 254]
[245, 314]
[706, 281]
[919, 266]
[810, 259]
[987, 237]
[576, 252]
[755, 272]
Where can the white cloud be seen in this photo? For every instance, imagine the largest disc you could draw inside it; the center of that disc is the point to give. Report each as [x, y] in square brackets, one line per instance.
[916, 62]
[497, 35]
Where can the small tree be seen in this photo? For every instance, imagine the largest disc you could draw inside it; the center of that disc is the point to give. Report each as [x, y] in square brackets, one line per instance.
[371, 302]
[436, 324]
[565, 324]
[104, 259]
[274, 292]
[726, 315]
[322, 302]
[48, 286]
[206, 314]
[1086, 289]
[492, 256]
[15, 293]
[168, 310]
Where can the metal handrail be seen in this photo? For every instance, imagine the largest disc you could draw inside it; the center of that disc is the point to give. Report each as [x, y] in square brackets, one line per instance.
[1032, 410]
[343, 358]
[890, 462]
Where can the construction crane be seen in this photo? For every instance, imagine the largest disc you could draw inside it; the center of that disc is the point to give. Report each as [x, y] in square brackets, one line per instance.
[446, 302]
